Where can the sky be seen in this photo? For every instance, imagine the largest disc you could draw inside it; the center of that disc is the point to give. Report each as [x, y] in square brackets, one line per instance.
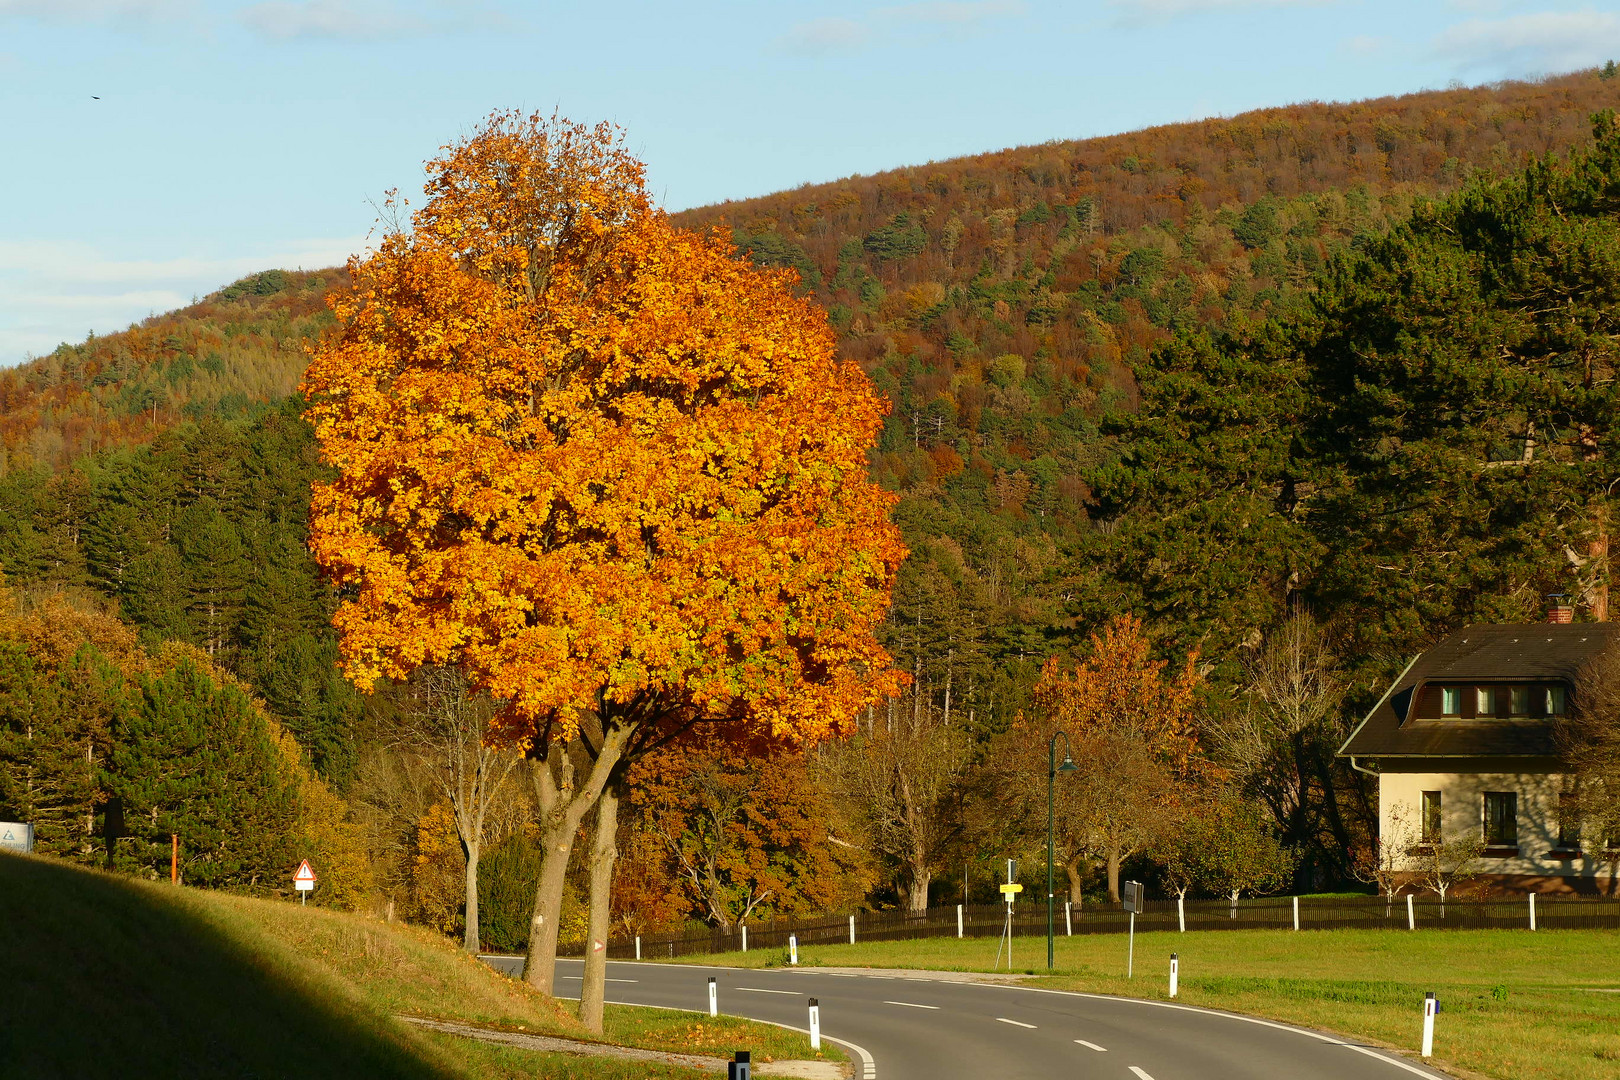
[154, 150]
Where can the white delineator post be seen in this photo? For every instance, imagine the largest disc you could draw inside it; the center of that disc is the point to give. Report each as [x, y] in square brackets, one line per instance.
[793, 949]
[852, 929]
[1431, 1005]
[1068, 918]
[958, 920]
[1296, 913]
[638, 946]
[1411, 919]
[1175, 964]
[745, 936]
[714, 998]
[815, 1025]
[1532, 911]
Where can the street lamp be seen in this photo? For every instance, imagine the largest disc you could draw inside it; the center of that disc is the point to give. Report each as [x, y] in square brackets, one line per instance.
[1052, 770]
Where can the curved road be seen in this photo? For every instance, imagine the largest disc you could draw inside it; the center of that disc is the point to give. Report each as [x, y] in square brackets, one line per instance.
[905, 1027]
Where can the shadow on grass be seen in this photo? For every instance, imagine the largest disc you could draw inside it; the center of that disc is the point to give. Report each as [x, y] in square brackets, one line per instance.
[102, 977]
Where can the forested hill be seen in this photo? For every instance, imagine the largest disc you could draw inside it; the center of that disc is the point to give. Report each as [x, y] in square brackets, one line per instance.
[1002, 301]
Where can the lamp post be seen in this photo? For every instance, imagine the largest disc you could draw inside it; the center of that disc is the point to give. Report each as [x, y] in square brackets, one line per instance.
[1052, 770]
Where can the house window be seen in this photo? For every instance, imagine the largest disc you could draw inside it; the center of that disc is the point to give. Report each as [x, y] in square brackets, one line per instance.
[1451, 701]
[1484, 701]
[1555, 701]
[1518, 700]
[1429, 831]
[1569, 821]
[1501, 819]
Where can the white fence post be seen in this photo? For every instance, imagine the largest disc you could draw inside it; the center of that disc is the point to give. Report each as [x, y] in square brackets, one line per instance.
[1411, 919]
[1175, 963]
[1181, 913]
[852, 929]
[745, 936]
[638, 946]
[1068, 918]
[714, 998]
[1431, 1005]
[958, 920]
[793, 949]
[1296, 913]
[815, 1025]
[1532, 911]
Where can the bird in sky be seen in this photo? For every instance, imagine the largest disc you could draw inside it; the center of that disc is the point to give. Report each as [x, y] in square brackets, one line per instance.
[94, 98]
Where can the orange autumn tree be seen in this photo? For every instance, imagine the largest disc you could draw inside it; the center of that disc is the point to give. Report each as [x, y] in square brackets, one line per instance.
[608, 469]
[1131, 726]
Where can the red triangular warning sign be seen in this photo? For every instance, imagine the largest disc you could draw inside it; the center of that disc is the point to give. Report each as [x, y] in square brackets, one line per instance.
[304, 872]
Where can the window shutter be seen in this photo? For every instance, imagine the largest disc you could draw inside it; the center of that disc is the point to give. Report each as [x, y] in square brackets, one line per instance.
[1469, 709]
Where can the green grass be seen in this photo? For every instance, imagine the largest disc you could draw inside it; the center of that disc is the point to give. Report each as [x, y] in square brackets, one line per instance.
[106, 976]
[1516, 1005]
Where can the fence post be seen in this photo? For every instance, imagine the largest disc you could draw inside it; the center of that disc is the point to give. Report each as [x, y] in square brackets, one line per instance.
[958, 920]
[1068, 918]
[1181, 913]
[852, 929]
[1532, 911]
[638, 946]
[1411, 919]
[1296, 913]
[745, 936]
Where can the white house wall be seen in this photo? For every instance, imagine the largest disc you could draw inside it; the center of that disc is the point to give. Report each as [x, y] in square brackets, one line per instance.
[1462, 809]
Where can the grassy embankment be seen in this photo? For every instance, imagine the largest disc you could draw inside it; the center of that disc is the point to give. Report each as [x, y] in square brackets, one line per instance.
[1516, 1005]
[106, 976]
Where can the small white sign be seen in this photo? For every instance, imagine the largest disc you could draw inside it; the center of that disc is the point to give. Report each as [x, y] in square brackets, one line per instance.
[16, 836]
[304, 879]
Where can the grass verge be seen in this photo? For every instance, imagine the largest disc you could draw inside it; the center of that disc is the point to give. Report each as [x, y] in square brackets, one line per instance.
[106, 976]
[1517, 1005]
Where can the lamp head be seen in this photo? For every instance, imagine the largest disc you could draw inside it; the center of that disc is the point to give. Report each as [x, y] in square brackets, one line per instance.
[1068, 764]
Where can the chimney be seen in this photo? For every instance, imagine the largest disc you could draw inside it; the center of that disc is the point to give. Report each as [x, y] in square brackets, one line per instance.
[1558, 609]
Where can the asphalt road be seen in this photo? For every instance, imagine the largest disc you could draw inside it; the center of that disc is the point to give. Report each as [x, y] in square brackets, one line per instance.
[898, 1028]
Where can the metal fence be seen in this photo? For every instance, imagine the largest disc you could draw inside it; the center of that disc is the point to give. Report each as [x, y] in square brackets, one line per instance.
[1029, 920]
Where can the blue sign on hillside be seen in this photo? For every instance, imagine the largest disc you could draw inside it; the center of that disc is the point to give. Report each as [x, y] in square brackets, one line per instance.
[16, 836]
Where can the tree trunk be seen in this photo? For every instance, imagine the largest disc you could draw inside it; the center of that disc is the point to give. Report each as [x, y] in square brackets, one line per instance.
[593, 989]
[1073, 868]
[1113, 875]
[469, 940]
[917, 893]
[563, 805]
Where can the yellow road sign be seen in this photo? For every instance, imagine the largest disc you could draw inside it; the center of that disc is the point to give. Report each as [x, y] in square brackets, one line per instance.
[1011, 887]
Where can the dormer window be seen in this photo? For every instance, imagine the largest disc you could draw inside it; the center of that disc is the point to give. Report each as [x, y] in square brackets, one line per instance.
[1451, 701]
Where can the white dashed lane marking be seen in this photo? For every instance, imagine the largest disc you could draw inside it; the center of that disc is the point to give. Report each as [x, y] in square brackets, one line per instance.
[1140, 1075]
[1020, 1023]
[757, 990]
[578, 978]
[1092, 1046]
[911, 1005]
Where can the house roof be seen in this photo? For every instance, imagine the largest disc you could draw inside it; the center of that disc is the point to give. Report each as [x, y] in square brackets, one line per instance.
[1514, 652]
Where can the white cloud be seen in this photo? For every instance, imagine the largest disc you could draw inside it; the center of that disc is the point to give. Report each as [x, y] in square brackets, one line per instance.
[294, 19]
[1140, 11]
[55, 292]
[1544, 42]
[117, 11]
[821, 37]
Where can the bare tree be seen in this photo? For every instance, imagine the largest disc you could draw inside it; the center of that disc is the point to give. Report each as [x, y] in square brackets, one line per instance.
[444, 727]
[1280, 738]
[903, 776]
[1590, 743]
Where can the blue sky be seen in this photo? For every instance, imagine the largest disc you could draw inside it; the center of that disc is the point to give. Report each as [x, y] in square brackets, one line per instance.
[231, 137]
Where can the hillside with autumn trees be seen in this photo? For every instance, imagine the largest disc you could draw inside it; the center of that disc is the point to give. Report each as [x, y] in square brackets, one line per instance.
[1041, 320]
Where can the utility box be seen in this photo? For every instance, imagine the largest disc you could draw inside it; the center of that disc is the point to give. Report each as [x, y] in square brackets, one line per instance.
[16, 836]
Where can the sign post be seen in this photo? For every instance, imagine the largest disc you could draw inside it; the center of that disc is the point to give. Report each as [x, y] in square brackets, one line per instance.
[1132, 902]
[304, 881]
[1008, 891]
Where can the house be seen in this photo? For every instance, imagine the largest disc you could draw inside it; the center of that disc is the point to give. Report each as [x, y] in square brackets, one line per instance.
[1465, 744]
